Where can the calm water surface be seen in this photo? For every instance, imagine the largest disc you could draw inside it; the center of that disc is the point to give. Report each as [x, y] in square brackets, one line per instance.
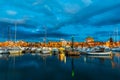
[36, 67]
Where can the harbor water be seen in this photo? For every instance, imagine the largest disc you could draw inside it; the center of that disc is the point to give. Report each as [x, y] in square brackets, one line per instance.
[49, 67]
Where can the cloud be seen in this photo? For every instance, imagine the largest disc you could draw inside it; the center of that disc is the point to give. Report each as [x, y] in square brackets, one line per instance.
[30, 34]
[87, 2]
[62, 18]
[90, 11]
[11, 12]
[108, 18]
[37, 2]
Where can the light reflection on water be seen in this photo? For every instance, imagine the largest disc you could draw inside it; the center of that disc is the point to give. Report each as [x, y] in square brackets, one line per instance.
[41, 67]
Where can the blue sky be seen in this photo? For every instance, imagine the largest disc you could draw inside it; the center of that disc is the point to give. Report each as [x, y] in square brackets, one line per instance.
[61, 18]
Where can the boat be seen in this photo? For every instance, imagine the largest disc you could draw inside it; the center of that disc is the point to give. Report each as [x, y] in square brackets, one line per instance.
[116, 49]
[55, 51]
[45, 50]
[14, 50]
[33, 49]
[99, 51]
[84, 50]
[72, 51]
[26, 50]
[38, 50]
[4, 52]
[116, 37]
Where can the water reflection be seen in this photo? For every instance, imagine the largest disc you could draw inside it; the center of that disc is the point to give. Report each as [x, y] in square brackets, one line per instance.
[41, 67]
[116, 61]
[72, 62]
[62, 57]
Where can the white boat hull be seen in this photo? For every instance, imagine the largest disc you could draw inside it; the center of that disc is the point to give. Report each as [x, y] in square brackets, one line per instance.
[100, 53]
[116, 49]
[15, 52]
[45, 52]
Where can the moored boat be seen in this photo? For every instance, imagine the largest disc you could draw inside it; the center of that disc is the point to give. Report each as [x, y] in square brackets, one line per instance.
[45, 50]
[116, 49]
[55, 51]
[14, 50]
[4, 52]
[100, 53]
[38, 50]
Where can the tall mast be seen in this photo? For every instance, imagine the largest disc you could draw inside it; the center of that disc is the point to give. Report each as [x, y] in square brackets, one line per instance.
[8, 33]
[117, 33]
[15, 31]
[114, 35]
[45, 38]
[3, 36]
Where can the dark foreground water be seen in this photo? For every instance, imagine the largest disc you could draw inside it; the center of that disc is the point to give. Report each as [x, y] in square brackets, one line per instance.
[36, 67]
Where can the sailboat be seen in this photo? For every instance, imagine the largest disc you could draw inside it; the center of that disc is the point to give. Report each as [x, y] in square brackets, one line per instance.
[15, 50]
[117, 48]
[3, 50]
[45, 50]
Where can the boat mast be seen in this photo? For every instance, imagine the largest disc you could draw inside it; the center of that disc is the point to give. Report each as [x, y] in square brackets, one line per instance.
[3, 36]
[15, 31]
[114, 35]
[45, 34]
[8, 33]
[117, 34]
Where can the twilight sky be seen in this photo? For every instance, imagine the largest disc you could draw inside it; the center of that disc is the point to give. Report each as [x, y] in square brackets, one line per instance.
[99, 19]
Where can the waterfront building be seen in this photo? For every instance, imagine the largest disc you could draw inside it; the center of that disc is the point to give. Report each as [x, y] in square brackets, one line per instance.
[89, 39]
